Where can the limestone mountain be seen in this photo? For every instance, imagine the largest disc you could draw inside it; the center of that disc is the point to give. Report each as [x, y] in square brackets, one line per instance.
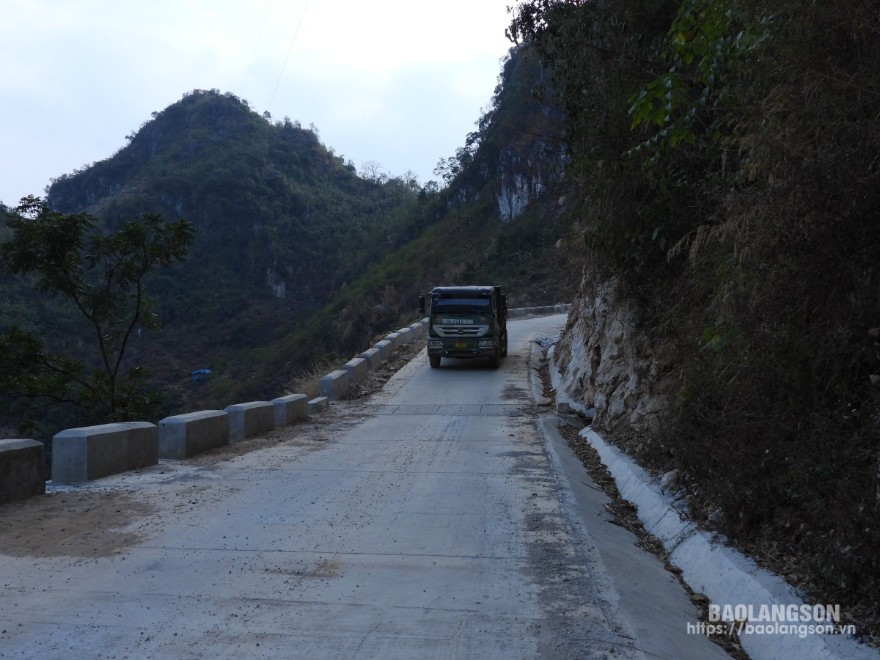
[276, 212]
[297, 257]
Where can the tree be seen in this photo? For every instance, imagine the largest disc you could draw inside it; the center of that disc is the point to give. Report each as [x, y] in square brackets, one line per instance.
[101, 273]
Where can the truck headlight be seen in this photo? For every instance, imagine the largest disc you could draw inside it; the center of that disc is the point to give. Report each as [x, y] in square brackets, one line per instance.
[435, 343]
[487, 343]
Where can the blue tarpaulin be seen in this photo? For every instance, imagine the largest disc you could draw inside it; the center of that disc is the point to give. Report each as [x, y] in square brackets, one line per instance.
[200, 374]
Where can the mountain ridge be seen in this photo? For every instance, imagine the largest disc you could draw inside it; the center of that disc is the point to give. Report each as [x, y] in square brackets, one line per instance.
[298, 259]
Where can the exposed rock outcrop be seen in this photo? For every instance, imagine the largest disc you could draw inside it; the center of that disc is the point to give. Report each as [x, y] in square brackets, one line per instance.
[606, 360]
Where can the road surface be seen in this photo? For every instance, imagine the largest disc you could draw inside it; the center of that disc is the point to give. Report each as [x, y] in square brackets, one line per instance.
[440, 518]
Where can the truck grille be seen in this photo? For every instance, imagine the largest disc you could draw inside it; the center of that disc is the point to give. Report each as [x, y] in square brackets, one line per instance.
[461, 330]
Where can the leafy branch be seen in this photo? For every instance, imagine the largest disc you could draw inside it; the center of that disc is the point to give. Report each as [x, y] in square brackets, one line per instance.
[707, 39]
[102, 274]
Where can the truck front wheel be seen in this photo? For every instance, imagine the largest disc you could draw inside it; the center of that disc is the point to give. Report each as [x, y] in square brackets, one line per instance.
[434, 360]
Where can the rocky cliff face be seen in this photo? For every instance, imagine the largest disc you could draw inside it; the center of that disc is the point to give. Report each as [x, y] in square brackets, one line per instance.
[606, 361]
[523, 173]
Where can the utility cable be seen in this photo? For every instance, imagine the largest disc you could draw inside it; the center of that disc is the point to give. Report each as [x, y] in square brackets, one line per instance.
[289, 50]
[256, 47]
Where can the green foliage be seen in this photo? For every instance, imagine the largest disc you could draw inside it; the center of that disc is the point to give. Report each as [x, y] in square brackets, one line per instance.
[296, 257]
[282, 226]
[708, 42]
[269, 201]
[287, 232]
[724, 156]
[598, 54]
[103, 276]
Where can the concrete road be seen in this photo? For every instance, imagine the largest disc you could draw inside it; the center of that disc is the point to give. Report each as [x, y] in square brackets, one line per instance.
[441, 518]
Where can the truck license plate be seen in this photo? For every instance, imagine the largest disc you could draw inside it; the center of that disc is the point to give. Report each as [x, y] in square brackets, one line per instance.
[460, 344]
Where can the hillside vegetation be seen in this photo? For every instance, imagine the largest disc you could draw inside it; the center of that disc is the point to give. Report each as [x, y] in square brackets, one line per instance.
[724, 169]
[298, 259]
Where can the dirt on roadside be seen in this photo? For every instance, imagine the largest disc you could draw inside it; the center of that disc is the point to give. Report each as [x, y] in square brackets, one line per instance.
[96, 521]
[82, 524]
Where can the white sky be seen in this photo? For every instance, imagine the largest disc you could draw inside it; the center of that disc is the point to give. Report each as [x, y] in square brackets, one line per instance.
[396, 82]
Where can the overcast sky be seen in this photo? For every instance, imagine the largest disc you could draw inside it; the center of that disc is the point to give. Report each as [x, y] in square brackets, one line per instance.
[396, 82]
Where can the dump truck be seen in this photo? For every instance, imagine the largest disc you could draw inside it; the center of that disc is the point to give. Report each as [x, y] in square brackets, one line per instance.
[465, 322]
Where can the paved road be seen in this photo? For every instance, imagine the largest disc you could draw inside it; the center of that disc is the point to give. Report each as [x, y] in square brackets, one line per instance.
[441, 518]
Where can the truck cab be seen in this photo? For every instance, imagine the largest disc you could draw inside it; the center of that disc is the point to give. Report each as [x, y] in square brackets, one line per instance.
[466, 322]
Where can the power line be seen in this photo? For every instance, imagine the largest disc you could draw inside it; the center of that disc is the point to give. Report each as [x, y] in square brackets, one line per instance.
[256, 47]
[289, 50]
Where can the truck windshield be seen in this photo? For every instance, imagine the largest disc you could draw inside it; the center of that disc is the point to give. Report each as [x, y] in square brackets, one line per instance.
[461, 305]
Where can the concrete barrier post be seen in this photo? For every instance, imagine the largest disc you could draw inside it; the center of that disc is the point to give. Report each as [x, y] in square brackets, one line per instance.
[181, 436]
[394, 338]
[249, 419]
[92, 452]
[335, 384]
[373, 356]
[385, 348]
[358, 368]
[22, 469]
[418, 329]
[290, 408]
[318, 404]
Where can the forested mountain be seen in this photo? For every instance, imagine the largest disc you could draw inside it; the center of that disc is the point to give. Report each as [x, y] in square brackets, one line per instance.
[274, 210]
[281, 224]
[297, 258]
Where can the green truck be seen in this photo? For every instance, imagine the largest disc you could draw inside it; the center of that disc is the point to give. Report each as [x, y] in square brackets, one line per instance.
[465, 322]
